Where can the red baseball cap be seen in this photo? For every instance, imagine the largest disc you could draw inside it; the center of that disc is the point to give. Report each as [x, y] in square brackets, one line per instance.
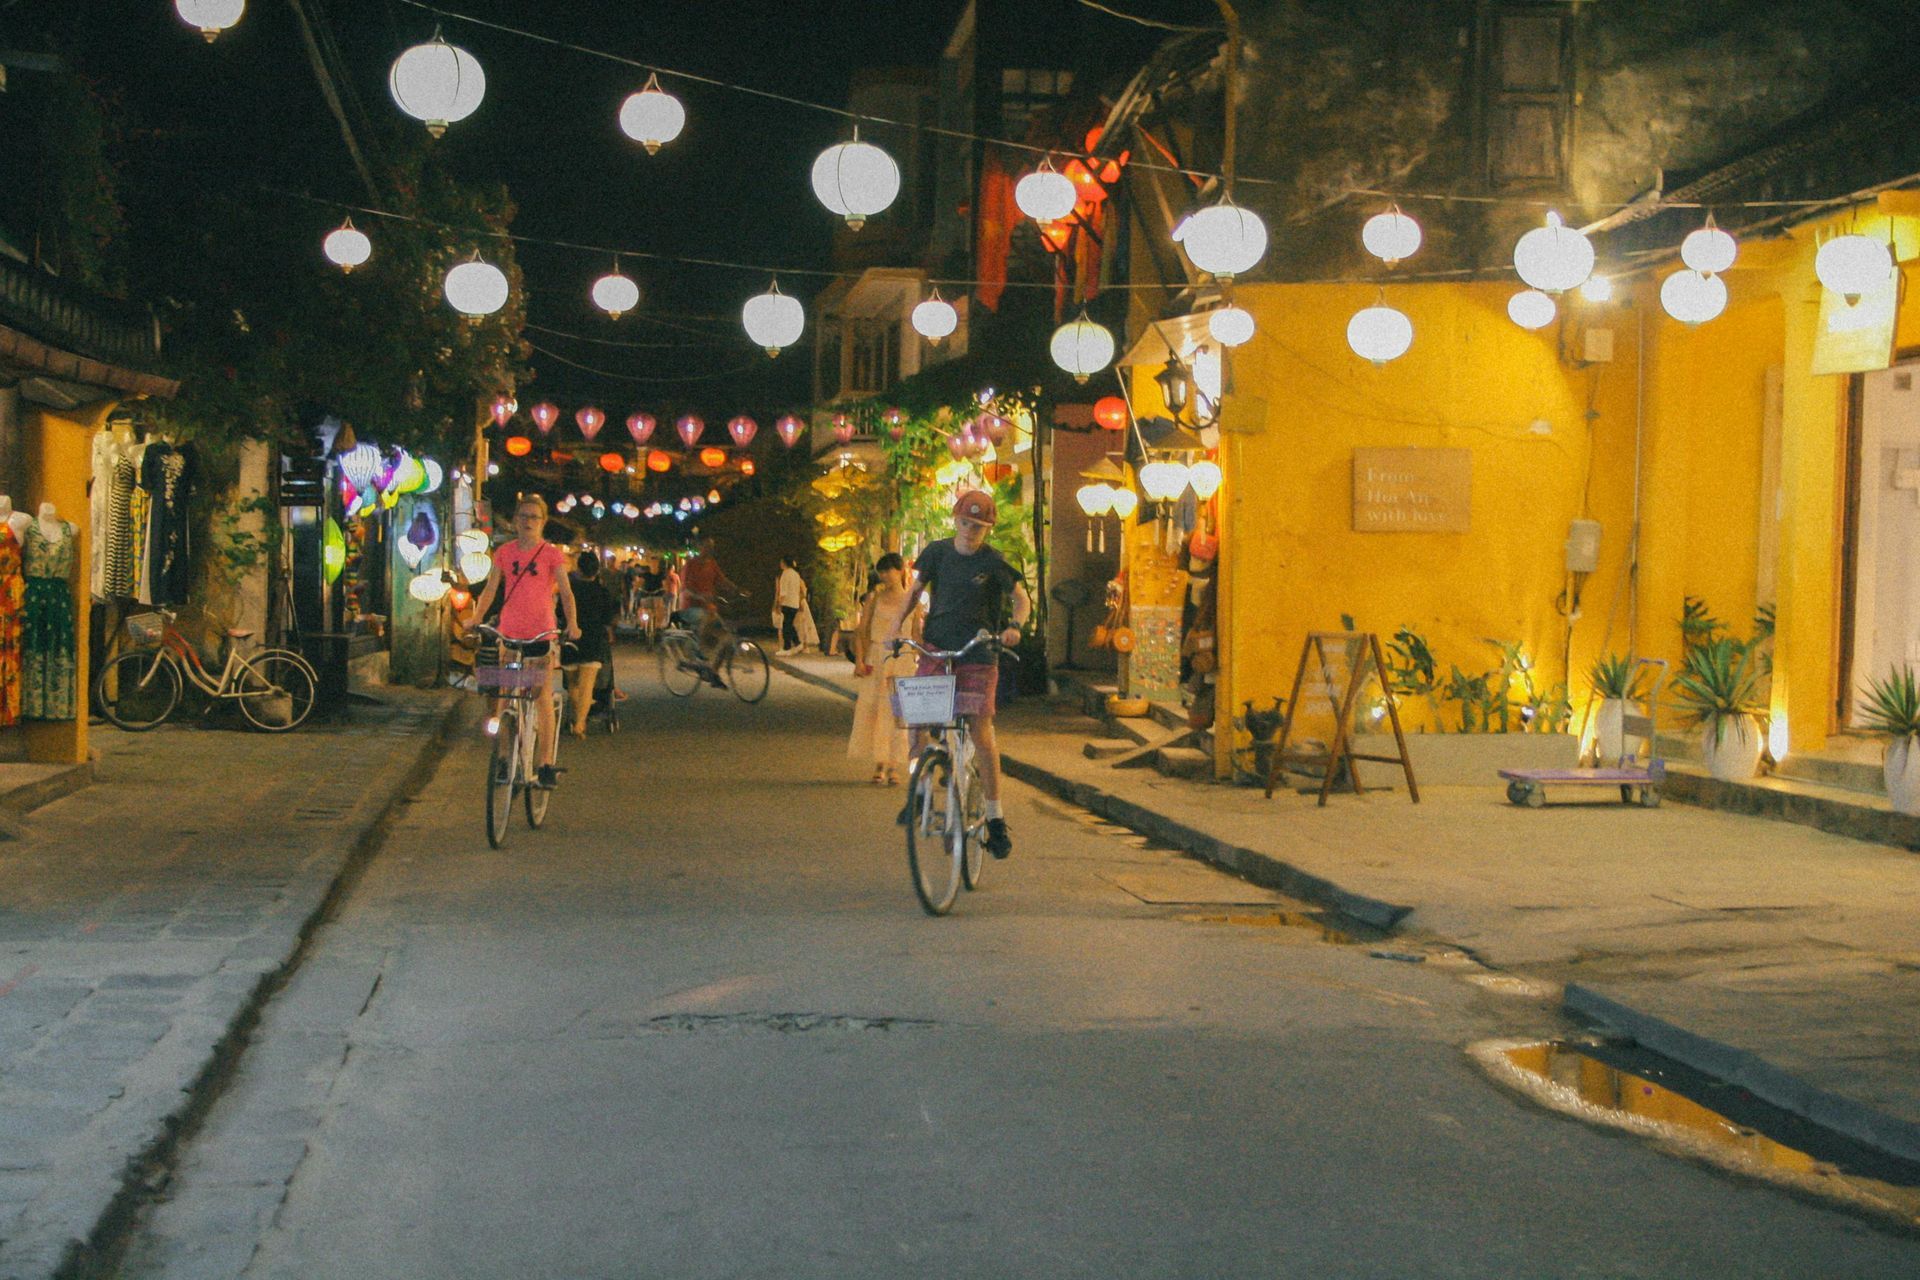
[975, 504]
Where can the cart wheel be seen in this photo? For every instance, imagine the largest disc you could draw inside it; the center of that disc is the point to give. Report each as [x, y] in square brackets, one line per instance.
[1536, 797]
[1517, 792]
[1649, 797]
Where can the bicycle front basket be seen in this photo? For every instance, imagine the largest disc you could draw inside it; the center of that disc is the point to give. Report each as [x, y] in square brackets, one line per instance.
[146, 628]
[923, 700]
[514, 678]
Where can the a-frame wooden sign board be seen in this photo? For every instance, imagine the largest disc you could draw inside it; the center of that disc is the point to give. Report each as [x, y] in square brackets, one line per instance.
[1324, 659]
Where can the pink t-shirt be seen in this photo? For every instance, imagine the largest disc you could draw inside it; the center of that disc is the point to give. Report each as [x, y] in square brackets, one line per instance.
[529, 583]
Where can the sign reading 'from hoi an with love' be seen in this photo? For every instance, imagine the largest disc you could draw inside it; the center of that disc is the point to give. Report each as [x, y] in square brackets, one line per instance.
[1412, 490]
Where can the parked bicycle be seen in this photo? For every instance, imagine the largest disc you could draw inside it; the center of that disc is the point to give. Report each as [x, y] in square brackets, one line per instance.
[504, 673]
[946, 800]
[141, 687]
[738, 664]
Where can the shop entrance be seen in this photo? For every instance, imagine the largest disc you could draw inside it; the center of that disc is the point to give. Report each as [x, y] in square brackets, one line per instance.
[1886, 530]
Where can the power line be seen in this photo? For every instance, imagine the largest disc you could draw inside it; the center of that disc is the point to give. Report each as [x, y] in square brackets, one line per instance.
[631, 377]
[1155, 23]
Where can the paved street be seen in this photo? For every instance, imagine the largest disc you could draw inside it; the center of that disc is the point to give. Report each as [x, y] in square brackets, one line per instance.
[698, 1027]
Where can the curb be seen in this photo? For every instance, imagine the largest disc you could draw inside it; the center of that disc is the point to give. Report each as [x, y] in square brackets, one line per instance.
[24, 799]
[143, 1174]
[1756, 1075]
[1736, 1066]
[1250, 864]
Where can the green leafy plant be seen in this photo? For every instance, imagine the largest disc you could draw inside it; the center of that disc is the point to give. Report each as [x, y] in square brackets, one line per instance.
[1615, 676]
[1892, 706]
[1697, 626]
[1476, 696]
[1718, 685]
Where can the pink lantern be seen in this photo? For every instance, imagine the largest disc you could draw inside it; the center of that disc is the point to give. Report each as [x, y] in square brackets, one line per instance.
[503, 410]
[957, 445]
[742, 429]
[993, 426]
[690, 426]
[789, 428]
[544, 416]
[589, 420]
[640, 426]
[842, 428]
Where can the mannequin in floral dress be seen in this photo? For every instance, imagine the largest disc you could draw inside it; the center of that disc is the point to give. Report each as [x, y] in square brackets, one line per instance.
[48, 668]
[13, 524]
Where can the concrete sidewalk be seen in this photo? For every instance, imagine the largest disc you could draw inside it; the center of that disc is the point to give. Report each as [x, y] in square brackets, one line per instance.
[142, 923]
[1773, 956]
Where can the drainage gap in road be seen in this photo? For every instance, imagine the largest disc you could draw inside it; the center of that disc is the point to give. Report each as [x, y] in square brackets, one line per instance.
[1627, 1087]
[785, 1023]
[1322, 924]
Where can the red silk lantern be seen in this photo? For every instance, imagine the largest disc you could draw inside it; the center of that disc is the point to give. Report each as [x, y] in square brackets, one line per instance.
[1111, 413]
[613, 462]
[589, 420]
[842, 428]
[993, 426]
[713, 456]
[742, 429]
[544, 416]
[690, 426]
[519, 446]
[640, 426]
[957, 445]
[659, 460]
[503, 410]
[1056, 236]
[789, 428]
[997, 472]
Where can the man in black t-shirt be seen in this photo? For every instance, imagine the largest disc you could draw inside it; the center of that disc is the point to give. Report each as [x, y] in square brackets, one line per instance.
[972, 588]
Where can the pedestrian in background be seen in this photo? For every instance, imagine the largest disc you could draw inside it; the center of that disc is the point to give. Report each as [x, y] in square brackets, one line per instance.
[581, 659]
[790, 597]
[877, 735]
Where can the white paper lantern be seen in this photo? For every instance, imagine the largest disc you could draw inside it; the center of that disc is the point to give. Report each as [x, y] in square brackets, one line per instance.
[1045, 195]
[1853, 265]
[652, 116]
[1082, 347]
[1709, 250]
[1204, 476]
[1095, 499]
[476, 288]
[773, 320]
[436, 475]
[1230, 326]
[347, 247]
[1693, 298]
[1554, 258]
[1391, 236]
[361, 466]
[1379, 333]
[437, 83]
[1531, 309]
[935, 318]
[428, 588]
[472, 541]
[210, 17]
[1125, 502]
[615, 294]
[1223, 239]
[475, 566]
[1163, 480]
[855, 180]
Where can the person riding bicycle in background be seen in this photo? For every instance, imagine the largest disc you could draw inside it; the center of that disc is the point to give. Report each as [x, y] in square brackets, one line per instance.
[701, 584]
[528, 574]
[972, 588]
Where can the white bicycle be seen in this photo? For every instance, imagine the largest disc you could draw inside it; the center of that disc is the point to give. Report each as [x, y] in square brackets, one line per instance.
[512, 771]
[946, 799]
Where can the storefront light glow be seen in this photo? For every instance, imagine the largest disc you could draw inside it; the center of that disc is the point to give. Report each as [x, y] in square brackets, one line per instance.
[437, 84]
[935, 319]
[1531, 309]
[1709, 250]
[476, 288]
[347, 247]
[1598, 288]
[1692, 298]
[1853, 265]
[1554, 258]
[615, 294]
[855, 180]
[1046, 195]
[1082, 347]
[1224, 240]
[1379, 333]
[1230, 326]
[652, 117]
[1391, 236]
[210, 17]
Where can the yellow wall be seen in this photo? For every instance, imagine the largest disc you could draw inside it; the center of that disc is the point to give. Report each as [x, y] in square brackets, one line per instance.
[59, 459]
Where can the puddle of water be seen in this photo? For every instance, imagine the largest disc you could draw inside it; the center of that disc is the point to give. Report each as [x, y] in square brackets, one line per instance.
[1625, 1087]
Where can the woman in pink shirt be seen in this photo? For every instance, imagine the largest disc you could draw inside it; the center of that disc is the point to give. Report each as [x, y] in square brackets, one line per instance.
[528, 574]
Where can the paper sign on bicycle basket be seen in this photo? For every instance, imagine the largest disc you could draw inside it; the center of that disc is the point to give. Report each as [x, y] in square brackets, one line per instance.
[512, 679]
[923, 700]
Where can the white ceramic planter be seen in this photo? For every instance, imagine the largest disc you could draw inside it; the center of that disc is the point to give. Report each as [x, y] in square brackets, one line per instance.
[1609, 730]
[1732, 754]
[1903, 775]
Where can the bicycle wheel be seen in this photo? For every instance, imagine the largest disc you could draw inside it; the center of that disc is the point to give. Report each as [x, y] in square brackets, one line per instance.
[930, 856]
[138, 690]
[276, 691]
[677, 664]
[503, 776]
[973, 828]
[538, 798]
[746, 671]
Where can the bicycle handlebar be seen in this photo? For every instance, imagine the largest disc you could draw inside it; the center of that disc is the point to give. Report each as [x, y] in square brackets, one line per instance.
[985, 637]
[494, 633]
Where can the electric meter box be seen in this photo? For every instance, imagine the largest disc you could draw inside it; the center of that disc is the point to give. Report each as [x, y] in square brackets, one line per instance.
[1583, 546]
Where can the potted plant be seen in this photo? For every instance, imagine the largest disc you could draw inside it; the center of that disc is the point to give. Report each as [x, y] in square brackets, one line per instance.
[1892, 711]
[1616, 680]
[1719, 690]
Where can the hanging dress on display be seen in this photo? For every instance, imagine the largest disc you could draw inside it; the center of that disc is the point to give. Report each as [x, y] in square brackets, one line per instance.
[48, 667]
[167, 473]
[13, 590]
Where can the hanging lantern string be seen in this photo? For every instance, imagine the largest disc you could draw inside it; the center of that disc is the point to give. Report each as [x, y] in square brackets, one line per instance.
[634, 377]
[713, 341]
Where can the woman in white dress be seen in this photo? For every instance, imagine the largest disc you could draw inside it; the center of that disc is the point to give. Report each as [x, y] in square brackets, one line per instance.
[877, 736]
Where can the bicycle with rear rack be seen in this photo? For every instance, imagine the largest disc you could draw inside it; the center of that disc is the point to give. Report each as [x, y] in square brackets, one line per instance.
[946, 813]
[274, 688]
[737, 664]
[503, 671]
